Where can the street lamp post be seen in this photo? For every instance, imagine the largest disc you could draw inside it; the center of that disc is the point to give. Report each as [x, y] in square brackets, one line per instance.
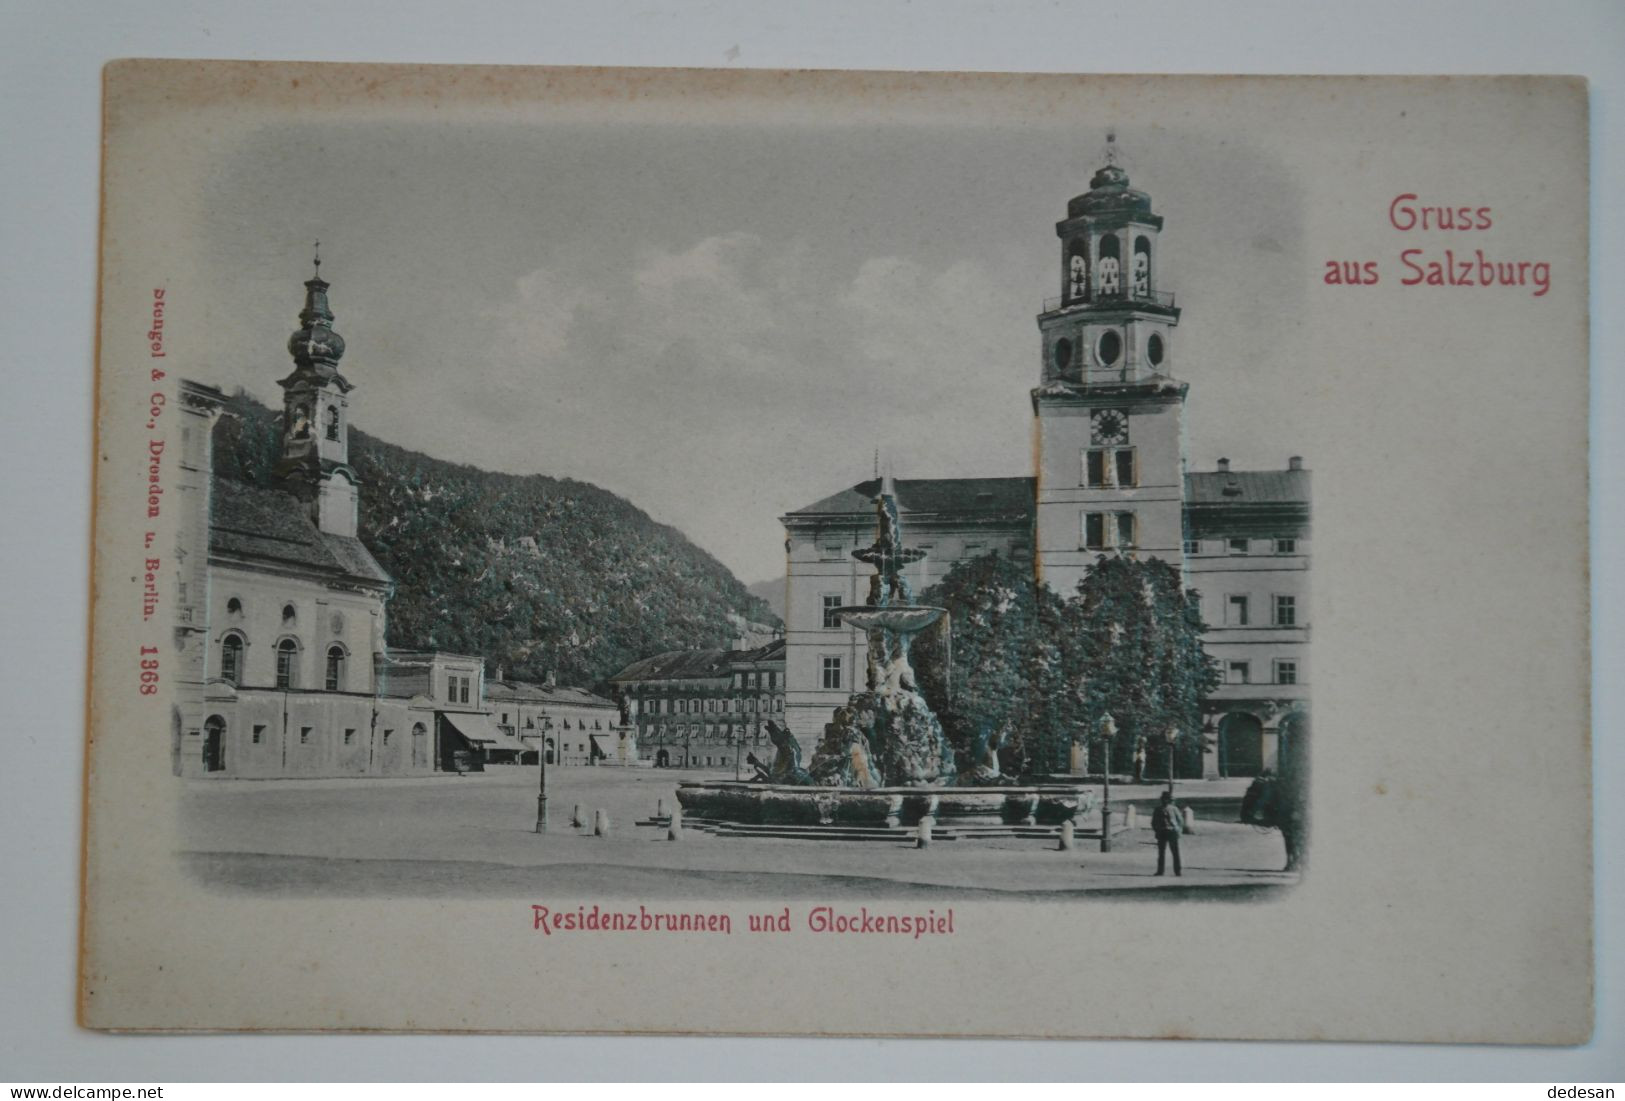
[541, 785]
[1173, 739]
[1108, 730]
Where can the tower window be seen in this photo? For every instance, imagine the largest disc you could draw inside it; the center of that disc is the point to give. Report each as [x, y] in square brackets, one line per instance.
[1109, 347]
[1142, 267]
[1077, 270]
[1063, 354]
[335, 668]
[1154, 350]
[1108, 271]
[286, 671]
[231, 659]
[1108, 530]
[332, 422]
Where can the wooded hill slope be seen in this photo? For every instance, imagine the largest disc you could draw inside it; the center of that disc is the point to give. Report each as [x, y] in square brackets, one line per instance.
[537, 574]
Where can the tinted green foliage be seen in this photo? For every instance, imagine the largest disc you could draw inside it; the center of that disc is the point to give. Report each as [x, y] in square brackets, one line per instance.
[1139, 634]
[1045, 671]
[536, 574]
[1006, 662]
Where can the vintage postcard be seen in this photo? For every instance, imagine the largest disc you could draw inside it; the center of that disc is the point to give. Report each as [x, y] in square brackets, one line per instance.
[840, 553]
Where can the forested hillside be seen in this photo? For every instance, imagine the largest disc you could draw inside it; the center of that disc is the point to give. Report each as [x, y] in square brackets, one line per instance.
[536, 574]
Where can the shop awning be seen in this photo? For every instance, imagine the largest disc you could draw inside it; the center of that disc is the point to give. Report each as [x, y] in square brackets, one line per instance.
[480, 730]
[605, 745]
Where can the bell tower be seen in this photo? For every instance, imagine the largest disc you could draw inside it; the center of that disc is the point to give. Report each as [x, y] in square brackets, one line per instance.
[315, 464]
[1109, 412]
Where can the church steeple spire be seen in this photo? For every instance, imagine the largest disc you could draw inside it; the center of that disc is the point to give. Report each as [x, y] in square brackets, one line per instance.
[315, 462]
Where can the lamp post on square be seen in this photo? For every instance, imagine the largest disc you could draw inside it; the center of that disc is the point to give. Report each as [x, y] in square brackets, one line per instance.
[1108, 731]
[1173, 740]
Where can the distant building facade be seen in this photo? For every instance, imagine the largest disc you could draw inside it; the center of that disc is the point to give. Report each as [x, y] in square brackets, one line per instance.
[571, 725]
[1109, 478]
[704, 708]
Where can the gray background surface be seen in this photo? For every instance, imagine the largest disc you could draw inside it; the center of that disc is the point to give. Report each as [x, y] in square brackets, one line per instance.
[48, 173]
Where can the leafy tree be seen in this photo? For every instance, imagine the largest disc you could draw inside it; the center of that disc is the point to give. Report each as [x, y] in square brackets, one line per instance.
[1139, 633]
[1001, 670]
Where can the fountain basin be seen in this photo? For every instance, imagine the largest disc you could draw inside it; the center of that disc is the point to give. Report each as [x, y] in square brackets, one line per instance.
[901, 618]
[750, 803]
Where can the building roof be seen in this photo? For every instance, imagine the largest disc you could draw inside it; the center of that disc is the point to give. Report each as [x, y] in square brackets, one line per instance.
[696, 664]
[1247, 487]
[524, 691]
[272, 526]
[985, 498]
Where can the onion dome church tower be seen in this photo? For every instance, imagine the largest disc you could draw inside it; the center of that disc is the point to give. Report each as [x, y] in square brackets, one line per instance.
[1109, 414]
[315, 464]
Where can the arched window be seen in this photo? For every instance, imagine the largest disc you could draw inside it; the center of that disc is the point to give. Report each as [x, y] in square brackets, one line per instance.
[335, 668]
[234, 608]
[214, 744]
[287, 663]
[1108, 270]
[332, 422]
[288, 613]
[1077, 270]
[1142, 267]
[231, 658]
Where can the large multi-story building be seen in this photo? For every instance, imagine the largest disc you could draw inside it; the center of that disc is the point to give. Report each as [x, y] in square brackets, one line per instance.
[280, 608]
[704, 708]
[1109, 478]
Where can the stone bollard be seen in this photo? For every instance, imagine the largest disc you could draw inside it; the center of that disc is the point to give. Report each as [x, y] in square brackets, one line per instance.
[922, 833]
[1190, 820]
[600, 823]
[674, 832]
[1067, 835]
[1130, 817]
[575, 817]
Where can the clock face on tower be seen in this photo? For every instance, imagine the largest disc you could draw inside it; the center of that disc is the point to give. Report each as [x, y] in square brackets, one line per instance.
[1108, 426]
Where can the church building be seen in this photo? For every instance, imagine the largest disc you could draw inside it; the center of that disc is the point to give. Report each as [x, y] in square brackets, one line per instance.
[280, 608]
[1109, 478]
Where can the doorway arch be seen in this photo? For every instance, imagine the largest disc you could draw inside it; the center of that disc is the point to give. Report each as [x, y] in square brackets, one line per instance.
[1241, 745]
[214, 744]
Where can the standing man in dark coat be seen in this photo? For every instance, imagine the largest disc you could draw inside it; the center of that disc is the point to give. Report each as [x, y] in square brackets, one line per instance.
[1166, 824]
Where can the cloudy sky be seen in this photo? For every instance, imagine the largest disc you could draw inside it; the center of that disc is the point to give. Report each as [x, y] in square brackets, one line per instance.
[723, 322]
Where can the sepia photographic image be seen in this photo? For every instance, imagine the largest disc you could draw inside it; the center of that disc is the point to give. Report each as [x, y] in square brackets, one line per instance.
[675, 538]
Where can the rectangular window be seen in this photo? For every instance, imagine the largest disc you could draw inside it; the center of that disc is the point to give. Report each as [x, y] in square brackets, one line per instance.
[1238, 546]
[349, 735]
[304, 735]
[1286, 672]
[1094, 531]
[1235, 612]
[1107, 467]
[464, 697]
[259, 733]
[1094, 467]
[829, 552]
[1127, 473]
[830, 602]
[504, 718]
[832, 671]
[1286, 611]
[389, 732]
[1126, 535]
[778, 705]
[1193, 546]
[1236, 673]
[1286, 546]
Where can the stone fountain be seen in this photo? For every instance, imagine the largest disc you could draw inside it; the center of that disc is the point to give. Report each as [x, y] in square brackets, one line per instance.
[883, 759]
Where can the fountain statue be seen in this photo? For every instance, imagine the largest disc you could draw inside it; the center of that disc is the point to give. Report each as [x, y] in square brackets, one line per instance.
[883, 760]
[886, 735]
